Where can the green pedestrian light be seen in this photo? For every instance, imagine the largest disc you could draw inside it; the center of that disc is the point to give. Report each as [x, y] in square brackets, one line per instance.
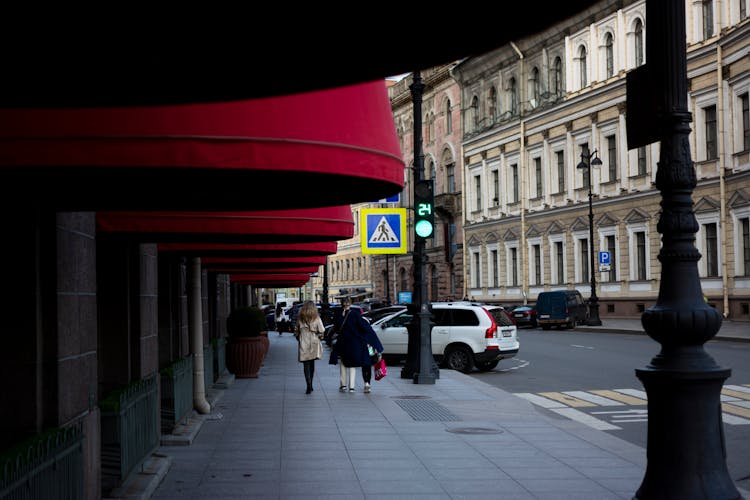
[424, 209]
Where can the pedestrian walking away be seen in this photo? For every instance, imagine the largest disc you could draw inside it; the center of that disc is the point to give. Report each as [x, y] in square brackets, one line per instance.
[309, 331]
[356, 346]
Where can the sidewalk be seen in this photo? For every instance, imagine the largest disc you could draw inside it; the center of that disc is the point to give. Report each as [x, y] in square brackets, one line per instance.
[457, 438]
[737, 331]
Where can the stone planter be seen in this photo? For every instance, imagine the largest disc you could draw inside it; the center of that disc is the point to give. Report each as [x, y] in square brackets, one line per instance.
[245, 356]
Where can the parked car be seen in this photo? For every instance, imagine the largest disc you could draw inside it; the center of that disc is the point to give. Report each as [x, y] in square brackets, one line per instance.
[525, 316]
[464, 335]
[561, 308]
[375, 314]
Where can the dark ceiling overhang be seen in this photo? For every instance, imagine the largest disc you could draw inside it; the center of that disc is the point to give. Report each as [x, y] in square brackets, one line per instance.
[272, 280]
[213, 56]
[273, 226]
[228, 264]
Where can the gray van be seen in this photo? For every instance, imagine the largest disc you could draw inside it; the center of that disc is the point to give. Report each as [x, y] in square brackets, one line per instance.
[561, 308]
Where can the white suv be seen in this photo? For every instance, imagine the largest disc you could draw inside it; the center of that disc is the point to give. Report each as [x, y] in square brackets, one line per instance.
[464, 335]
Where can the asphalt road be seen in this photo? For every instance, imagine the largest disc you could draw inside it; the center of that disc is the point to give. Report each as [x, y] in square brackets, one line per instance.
[590, 377]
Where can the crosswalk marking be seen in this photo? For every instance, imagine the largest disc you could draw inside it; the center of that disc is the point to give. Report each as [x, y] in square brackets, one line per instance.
[735, 410]
[564, 398]
[619, 396]
[735, 405]
[593, 398]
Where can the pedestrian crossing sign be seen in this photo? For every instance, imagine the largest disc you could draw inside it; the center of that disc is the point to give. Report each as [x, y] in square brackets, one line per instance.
[383, 230]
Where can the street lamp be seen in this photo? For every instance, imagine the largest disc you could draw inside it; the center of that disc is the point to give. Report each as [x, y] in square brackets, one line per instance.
[588, 161]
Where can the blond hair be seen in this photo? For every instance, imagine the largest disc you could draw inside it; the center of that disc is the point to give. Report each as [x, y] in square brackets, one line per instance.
[308, 312]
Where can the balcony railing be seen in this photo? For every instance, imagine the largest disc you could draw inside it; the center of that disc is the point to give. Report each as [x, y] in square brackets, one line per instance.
[48, 466]
[130, 430]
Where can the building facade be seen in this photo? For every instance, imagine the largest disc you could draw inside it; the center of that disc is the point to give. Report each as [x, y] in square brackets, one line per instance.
[441, 147]
[535, 110]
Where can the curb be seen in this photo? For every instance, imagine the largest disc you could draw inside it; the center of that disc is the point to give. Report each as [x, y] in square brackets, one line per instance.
[595, 329]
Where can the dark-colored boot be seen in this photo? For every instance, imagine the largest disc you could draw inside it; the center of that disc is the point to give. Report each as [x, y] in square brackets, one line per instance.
[308, 377]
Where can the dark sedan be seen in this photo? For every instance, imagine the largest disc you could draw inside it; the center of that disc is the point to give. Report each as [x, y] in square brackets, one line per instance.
[525, 316]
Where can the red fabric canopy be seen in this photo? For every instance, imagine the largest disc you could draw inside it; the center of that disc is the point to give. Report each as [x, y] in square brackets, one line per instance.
[280, 226]
[219, 263]
[321, 148]
[271, 279]
[260, 250]
[259, 269]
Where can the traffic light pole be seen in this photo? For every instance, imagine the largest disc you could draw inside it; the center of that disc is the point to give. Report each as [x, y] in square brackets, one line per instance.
[425, 372]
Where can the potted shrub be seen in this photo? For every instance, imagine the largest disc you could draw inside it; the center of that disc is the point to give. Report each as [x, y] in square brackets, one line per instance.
[246, 344]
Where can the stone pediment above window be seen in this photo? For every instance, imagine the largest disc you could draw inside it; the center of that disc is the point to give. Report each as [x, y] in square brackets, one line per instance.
[637, 215]
[579, 224]
[739, 199]
[555, 228]
[533, 231]
[474, 241]
[510, 235]
[491, 237]
[706, 204]
[606, 220]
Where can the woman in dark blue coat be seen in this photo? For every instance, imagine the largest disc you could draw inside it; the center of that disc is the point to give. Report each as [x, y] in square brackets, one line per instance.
[354, 335]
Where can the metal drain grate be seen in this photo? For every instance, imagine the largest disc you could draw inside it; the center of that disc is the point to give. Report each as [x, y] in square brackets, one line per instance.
[426, 411]
[474, 430]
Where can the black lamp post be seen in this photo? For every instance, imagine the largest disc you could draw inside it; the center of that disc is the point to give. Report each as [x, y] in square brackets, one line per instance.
[588, 161]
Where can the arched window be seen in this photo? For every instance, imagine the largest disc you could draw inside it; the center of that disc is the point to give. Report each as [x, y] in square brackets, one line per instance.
[475, 114]
[513, 97]
[448, 117]
[450, 173]
[434, 282]
[609, 55]
[638, 43]
[557, 81]
[535, 86]
[582, 69]
[492, 104]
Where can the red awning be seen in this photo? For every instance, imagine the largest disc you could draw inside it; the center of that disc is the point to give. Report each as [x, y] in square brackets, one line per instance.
[259, 250]
[239, 269]
[279, 226]
[219, 263]
[271, 279]
[328, 147]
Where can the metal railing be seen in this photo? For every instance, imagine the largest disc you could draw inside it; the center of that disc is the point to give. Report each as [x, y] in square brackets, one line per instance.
[176, 393]
[49, 466]
[130, 430]
[208, 366]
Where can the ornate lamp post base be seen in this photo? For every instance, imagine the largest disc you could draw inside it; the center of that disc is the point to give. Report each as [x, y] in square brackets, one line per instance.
[594, 319]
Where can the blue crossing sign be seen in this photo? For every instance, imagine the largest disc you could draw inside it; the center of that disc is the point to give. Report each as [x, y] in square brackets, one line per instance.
[383, 230]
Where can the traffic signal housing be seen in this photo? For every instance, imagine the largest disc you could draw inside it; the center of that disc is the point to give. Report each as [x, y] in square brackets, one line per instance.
[424, 209]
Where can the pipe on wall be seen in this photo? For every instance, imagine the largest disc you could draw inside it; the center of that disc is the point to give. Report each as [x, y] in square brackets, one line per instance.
[195, 322]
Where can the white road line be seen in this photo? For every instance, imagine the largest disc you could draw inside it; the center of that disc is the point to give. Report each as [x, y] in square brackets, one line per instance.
[593, 398]
[633, 392]
[738, 388]
[539, 400]
[581, 346]
[732, 420]
[585, 418]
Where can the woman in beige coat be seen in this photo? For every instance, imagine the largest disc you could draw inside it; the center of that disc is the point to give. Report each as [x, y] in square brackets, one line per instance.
[309, 331]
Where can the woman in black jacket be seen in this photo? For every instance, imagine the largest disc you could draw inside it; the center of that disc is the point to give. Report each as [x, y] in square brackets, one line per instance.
[354, 336]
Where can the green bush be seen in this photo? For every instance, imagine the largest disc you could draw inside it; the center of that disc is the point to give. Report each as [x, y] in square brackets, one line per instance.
[246, 322]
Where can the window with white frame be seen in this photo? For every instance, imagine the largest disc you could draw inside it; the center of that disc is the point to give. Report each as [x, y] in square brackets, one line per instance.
[745, 121]
[641, 160]
[514, 183]
[493, 277]
[476, 269]
[742, 242]
[536, 261]
[511, 263]
[707, 241]
[582, 259]
[474, 113]
[709, 131]
[450, 178]
[638, 242]
[611, 141]
[585, 172]
[742, 117]
[743, 9]
[557, 259]
[638, 40]
[538, 176]
[557, 77]
[495, 188]
[478, 192]
[708, 19]
[609, 243]
[492, 105]
[582, 67]
[513, 97]
[609, 55]
[534, 87]
[448, 117]
[560, 165]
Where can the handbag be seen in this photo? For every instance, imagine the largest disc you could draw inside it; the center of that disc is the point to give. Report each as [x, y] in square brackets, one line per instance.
[380, 369]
